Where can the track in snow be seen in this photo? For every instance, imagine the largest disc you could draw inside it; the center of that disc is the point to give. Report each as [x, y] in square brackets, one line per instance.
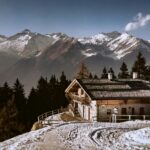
[110, 136]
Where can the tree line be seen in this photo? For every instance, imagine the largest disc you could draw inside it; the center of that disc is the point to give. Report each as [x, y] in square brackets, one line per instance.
[18, 113]
[139, 66]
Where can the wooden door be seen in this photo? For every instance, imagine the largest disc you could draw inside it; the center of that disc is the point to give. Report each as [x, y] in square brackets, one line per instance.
[141, 110]
[123, 111]
[132, 111]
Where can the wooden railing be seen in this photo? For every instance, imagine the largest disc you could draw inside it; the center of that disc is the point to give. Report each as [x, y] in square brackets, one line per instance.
[120, 118]
[47, 114]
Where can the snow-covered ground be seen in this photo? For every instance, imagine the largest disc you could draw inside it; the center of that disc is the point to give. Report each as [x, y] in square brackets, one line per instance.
[133, 135]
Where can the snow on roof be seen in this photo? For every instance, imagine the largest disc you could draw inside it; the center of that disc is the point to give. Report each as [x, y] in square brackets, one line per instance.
[115, 89]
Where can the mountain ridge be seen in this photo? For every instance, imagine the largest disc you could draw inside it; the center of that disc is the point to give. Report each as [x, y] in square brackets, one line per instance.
[29, 55]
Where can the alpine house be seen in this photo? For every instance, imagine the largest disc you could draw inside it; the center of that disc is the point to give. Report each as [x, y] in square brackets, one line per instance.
[100, 99]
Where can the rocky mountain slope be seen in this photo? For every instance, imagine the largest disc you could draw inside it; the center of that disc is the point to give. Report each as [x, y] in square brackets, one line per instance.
[28, 55]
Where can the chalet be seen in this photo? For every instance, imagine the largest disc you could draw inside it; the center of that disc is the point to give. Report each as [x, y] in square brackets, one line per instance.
[98, 99]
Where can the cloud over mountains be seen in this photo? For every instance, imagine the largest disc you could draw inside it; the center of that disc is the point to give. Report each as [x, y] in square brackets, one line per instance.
[138, 21]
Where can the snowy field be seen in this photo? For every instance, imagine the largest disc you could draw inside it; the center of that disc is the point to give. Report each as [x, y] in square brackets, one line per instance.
[134, 135]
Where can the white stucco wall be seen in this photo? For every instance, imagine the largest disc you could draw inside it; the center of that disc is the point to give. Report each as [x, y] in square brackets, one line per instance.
[80, 109]
[93, 111]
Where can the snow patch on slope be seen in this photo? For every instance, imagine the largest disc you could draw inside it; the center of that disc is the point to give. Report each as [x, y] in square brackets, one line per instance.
[17, 44]
[122, 45]
[2, 39]
[119, 44]
[96, 39]
[89, 53]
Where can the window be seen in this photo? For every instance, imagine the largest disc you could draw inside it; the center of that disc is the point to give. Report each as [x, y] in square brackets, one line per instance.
[108, 111]
[132, 111]
[123, 111]
[141, 110]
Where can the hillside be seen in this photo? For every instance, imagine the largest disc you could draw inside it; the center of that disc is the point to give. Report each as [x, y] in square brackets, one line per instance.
[93, 136]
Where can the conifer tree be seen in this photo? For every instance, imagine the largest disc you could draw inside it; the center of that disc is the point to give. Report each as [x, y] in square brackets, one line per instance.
[61, 90]
[139, 65]
[124, 71]
[147, 73]
[32, 103]
[104, 74]
[95, 76]
[5, 93]
[63, 80]
[43, 96]
[20, 99]
[90, 76]
[113, 73]
[53, 81]
[83, 72]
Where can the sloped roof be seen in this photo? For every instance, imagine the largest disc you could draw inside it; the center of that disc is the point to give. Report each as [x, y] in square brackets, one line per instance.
[116, 89]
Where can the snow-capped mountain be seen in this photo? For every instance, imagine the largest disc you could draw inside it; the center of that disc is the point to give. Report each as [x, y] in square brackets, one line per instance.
[2, 38]
[119, 44]
[96, 39]
[114, 44]
[16, 43]
[28, 55]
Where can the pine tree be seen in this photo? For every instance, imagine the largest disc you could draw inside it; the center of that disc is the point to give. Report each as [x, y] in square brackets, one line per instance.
[139, 65]
[5, 93]
[63, 80]
[8, 119]
[61, 90]
[90, 76]
[104, 74]
[42, 84]
[43, 96]
[147, 73]
[20, 99]
[83, 72]
[124, 71]
[32, 103]
[10, 126]
[95, 76]
[53, 81]
[113, 73]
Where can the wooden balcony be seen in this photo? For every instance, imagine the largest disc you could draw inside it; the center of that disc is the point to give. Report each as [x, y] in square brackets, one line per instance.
[83, 100]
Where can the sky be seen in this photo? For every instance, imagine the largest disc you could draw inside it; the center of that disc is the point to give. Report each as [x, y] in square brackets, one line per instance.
[78, 18]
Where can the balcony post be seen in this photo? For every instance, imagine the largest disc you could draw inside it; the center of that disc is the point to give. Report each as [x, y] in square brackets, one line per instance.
[129, 117]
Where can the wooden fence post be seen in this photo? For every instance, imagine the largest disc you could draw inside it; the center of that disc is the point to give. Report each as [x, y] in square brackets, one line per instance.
[129, 117]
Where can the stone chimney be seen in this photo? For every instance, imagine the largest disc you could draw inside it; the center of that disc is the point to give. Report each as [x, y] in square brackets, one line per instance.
[110, 76]
[135, 75]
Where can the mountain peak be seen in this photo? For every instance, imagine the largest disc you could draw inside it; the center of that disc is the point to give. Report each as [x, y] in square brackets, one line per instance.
[113, 34]
[26, 31]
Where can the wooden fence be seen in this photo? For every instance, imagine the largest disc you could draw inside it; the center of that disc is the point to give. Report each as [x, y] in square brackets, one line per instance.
[121, 118]
[49, 113]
